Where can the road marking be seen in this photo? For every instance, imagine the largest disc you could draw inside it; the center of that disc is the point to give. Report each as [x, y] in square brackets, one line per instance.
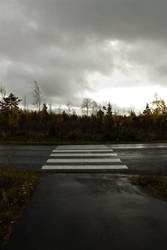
[83, 157]
[87, 154]
[84, 167]
[81, 150]
[81, 146]
[138, 146]
[82, 160]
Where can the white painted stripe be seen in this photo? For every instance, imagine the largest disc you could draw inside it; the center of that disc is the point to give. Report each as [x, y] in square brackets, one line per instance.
[137, 146]
[75, 148]
[82, 160]
[82, 150]
[84, 167]
[87, 154]
[82, 146]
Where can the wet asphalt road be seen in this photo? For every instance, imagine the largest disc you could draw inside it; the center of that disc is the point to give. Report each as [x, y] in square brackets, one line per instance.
[90, 211]
[144, 158]
[139, 158]
[100, 211]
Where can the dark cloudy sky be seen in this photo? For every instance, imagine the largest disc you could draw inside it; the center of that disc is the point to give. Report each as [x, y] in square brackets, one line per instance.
[108, 50]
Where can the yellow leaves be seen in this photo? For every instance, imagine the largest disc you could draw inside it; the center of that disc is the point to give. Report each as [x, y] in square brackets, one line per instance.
[16, 186]
[12, 119]
[4, 196]
[26, 188]
[60, 120]
[6, 161]
[158, 105]
[156, 184]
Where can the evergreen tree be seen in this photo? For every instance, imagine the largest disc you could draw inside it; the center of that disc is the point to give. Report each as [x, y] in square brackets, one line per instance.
[44, 109]
[10, 103]
[147, 110]
[109, 109]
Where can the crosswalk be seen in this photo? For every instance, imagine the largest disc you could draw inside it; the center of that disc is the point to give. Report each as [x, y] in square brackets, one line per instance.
[83, 157]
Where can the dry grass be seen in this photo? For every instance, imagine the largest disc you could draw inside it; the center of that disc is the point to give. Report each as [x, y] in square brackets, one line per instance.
[156, 184]
[16, 188]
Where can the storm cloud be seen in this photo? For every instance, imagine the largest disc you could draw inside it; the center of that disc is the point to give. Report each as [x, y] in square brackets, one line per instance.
[66, 44]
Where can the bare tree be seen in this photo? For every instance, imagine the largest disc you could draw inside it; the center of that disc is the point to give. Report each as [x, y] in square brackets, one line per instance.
[86, 105]
[68, 108]
[2, 92]
[50, 108]
[25, 103]
[59, 109]
[94, 107]
[37, 95]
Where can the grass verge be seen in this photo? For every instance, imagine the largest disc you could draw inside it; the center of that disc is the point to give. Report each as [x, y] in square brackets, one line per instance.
[16, 187]
[156, 184]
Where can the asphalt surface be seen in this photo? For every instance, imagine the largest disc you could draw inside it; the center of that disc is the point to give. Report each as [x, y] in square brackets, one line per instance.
[83, 210]
[139, 158]
[90, 211]
[24, 157]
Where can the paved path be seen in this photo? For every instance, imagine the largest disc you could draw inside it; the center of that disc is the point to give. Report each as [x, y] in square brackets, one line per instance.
[90, 212]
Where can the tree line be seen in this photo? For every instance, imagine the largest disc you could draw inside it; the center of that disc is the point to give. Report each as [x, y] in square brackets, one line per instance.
[98, 123]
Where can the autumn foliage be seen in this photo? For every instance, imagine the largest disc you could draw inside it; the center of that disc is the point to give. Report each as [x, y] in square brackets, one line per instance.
[26, 125]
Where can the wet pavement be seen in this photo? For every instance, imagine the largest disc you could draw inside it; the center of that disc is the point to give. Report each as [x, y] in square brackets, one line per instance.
[139, 158]
[90, 211]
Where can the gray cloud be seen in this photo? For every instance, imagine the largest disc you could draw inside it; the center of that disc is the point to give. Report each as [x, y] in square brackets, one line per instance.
[60, 43]
[121, 19]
